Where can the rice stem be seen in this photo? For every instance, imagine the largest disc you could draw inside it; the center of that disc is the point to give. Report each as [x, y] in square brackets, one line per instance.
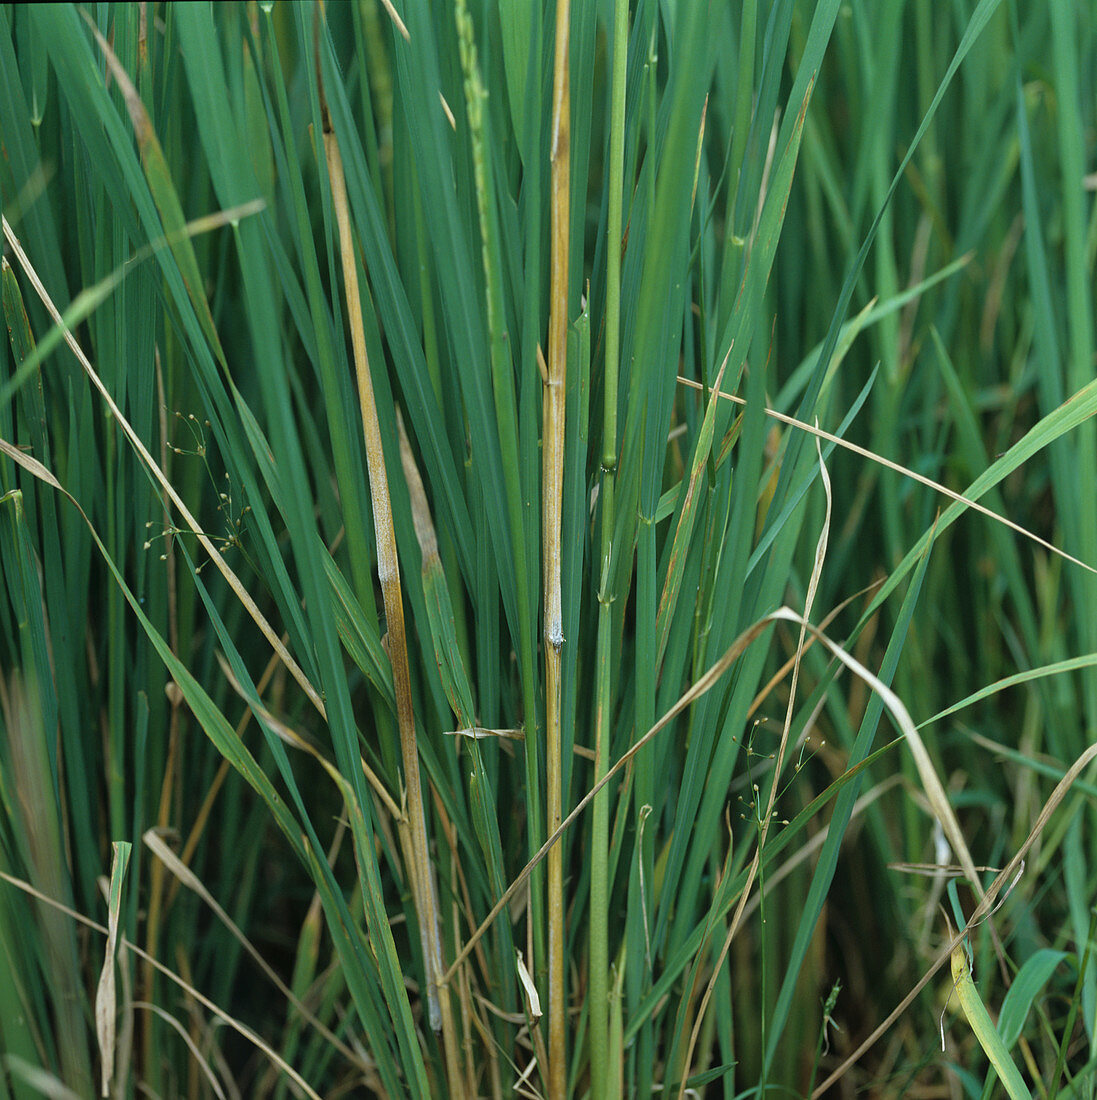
[553, 478]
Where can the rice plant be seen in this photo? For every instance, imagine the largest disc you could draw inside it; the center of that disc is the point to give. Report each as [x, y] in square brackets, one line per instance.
[548, 549]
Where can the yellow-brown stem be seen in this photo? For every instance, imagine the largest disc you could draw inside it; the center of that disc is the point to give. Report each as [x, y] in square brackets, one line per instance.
[419, 872]
[553, 476]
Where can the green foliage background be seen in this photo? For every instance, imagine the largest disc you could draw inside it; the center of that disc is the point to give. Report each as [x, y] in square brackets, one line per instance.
[876, 217]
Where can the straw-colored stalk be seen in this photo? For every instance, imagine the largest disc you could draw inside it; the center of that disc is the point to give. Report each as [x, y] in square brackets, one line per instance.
[420, 875]
[553, 479]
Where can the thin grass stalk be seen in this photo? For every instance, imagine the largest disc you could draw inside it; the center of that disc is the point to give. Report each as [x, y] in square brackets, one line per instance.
[599, 884]
[642, 176]
[420, 875]
[506, 405]
[553, 480]
[529, 337]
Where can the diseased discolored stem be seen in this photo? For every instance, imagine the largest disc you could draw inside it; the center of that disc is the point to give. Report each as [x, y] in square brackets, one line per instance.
[553, 479]
[420, 874]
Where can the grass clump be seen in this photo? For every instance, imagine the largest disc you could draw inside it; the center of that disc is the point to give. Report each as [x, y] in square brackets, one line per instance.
[540, 547]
